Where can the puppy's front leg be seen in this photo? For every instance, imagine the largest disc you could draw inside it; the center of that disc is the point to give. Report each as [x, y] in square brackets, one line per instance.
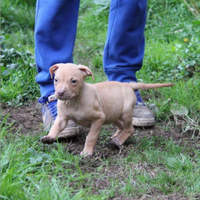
[58, 126]
[92, 137]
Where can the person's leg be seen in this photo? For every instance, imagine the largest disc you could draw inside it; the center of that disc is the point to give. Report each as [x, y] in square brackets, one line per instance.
[124, 49]
[55, 33]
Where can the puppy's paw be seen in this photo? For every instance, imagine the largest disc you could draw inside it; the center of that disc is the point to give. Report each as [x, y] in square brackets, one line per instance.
[116, 141]
[47, 140]
[86, 154]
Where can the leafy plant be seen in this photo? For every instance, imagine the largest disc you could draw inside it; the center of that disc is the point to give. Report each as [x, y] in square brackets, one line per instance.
[18, 72]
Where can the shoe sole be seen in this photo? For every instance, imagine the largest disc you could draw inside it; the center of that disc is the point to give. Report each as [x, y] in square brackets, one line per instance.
[143, 122]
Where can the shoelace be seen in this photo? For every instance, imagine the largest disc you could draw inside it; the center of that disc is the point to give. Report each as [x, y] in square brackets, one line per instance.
[43, 100]
[51, 106]
[139, 98]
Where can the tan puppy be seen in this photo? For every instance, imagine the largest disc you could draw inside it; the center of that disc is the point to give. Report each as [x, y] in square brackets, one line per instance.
[93, 105]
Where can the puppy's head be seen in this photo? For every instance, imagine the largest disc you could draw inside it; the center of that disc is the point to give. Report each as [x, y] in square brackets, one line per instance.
[69, 79]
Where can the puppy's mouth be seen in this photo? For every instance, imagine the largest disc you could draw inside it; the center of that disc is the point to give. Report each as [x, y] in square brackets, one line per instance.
[64, 97]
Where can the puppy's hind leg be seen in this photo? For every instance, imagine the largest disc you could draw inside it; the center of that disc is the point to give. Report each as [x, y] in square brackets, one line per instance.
[120, 125]
[127, 131]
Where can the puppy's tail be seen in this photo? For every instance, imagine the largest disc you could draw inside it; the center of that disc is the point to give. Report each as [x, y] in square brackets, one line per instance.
[145, 86]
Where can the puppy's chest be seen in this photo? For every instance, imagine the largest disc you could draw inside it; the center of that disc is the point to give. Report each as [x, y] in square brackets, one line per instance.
[80, 117]
[76, 112]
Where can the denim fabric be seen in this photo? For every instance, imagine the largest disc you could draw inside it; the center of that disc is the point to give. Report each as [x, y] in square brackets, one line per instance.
[55, 33]
[124, 48]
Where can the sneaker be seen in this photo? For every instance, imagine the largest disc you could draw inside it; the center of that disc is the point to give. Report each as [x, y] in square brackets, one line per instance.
[142, 115]
[49, 113]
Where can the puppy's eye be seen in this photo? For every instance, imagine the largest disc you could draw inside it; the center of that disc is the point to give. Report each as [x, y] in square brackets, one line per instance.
[73, 81]
[55, 80]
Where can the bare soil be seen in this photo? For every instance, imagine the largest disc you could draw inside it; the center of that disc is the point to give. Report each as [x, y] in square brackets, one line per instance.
[27, 119]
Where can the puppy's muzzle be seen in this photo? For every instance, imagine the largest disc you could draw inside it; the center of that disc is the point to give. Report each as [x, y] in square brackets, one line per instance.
[63, 94]
[60, 92]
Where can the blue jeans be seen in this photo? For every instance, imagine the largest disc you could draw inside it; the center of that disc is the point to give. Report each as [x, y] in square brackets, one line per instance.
[55, 33]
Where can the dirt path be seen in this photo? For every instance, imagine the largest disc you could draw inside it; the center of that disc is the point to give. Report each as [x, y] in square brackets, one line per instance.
[27, 119]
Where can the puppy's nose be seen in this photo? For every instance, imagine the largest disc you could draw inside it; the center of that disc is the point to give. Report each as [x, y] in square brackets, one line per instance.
[61, 92]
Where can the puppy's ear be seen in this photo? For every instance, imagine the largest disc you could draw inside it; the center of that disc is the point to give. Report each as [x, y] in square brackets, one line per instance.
[87, 71]
[53, 69]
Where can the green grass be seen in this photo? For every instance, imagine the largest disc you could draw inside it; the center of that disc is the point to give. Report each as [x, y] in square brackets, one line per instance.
[152, 166]
[30, 170]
